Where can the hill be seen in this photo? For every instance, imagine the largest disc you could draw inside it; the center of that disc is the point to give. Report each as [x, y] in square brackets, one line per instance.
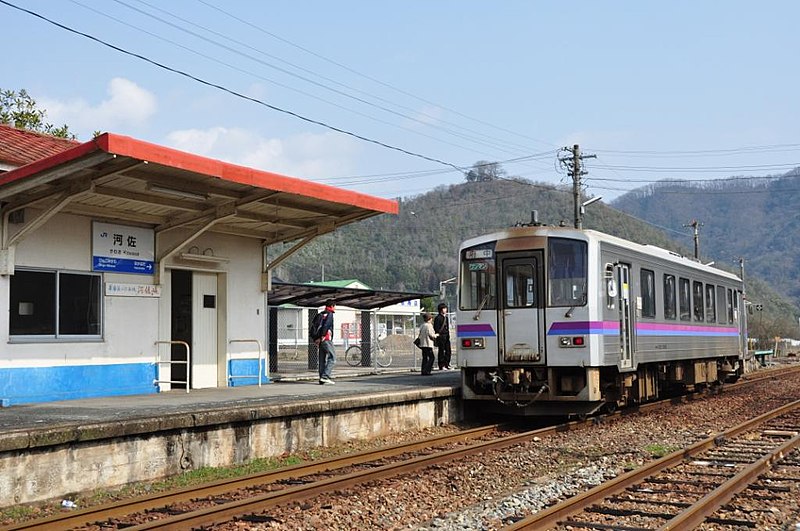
[755, 219]
[418, 248]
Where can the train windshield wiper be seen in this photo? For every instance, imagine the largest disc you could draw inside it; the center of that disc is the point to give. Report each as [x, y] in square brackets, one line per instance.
[480, 307]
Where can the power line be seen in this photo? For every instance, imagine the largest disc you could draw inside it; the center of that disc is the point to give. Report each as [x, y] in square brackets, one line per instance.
[272, 81]
[746, 150]
[501, 146]
[375, 80]
[230, 91]
[699, 169]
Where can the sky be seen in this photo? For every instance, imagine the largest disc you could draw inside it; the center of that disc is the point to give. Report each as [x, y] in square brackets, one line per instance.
[395, 98]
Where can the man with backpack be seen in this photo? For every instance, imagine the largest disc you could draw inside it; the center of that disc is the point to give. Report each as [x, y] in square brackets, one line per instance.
[321, 331]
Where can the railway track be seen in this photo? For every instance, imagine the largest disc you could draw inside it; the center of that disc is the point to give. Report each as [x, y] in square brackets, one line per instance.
[156, 502]
[689, 487]
[227, 499]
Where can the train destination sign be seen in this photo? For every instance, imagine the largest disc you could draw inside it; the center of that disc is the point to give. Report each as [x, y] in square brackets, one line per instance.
[122, 249]
[472, 254]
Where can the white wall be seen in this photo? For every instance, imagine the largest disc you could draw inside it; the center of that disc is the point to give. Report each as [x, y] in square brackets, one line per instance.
[130, 324]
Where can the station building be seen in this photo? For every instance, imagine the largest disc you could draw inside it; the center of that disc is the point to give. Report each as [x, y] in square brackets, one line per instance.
[128, 267]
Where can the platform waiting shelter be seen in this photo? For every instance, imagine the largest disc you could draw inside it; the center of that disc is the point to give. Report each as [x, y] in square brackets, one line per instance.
[128, 267]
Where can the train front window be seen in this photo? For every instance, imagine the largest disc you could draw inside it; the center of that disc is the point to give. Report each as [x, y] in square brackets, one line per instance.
[478, 286]
[567, 272]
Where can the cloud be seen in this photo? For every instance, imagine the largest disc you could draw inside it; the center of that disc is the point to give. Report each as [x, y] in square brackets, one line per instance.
[306, 155]
[128, 105]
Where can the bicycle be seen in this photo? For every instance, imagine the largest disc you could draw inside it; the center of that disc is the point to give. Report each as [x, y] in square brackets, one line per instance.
[382, 356]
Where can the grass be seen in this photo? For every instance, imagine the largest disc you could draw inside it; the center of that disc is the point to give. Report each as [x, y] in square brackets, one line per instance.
[200, 476]
[659, 450]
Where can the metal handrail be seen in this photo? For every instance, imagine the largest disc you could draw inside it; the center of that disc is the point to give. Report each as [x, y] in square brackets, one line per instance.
[187, 363]
[261, 360]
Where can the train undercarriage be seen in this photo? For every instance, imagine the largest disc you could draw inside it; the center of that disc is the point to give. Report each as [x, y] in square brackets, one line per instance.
[580, 391]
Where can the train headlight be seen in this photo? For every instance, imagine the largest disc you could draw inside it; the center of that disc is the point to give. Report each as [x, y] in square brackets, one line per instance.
[472, 342]
[572, 341]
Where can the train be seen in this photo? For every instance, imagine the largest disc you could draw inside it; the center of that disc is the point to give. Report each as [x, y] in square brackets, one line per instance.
[565, 321]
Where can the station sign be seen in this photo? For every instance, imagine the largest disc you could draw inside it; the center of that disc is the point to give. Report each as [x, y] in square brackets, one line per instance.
[122, 249]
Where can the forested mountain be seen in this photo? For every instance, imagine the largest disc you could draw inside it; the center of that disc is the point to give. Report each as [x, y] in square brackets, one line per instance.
[755, 219]
[418, 248]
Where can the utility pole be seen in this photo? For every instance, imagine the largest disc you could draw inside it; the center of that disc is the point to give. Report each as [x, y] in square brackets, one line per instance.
[696, 225]
[572, 162]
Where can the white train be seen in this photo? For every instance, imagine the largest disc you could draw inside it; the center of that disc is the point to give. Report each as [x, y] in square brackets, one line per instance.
[561, 321]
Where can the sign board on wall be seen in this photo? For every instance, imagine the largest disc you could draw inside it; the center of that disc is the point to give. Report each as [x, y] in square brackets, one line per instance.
[115, 289]
[122, 249]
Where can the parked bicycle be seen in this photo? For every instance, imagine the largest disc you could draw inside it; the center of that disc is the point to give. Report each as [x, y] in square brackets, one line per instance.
[383, 357]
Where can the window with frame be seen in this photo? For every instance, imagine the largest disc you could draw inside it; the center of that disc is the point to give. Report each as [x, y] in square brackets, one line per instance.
[711, 305]
[670, 310]
[697, 301]
[478, 278]
[684, 299]
[567, 272]
[55, 304]
[729, 305]
[648, 280]
[520, 286]
[722, 312]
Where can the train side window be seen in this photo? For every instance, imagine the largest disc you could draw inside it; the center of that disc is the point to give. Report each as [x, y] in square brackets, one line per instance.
[697, 301]
[711, 306]
[729, 305]
[611, 287]
[648, 279]
[685, 299]
[669, 297]
[722, 312]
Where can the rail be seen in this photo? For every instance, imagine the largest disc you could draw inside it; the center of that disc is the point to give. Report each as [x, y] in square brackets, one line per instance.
[186, 362]
[261, 361]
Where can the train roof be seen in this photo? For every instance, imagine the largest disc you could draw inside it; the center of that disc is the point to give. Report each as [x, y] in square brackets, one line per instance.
[597, 237]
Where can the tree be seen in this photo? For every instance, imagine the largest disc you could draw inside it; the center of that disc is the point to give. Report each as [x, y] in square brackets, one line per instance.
[19, 109]
[483, 171]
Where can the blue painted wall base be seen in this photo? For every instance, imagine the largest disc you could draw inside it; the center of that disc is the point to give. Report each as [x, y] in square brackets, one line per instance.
[47, 384]
[244, 373]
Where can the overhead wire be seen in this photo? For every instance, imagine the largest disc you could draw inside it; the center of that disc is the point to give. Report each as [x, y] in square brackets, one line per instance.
[365, 76]
[500, 145]
[272, 81]
[231, 91]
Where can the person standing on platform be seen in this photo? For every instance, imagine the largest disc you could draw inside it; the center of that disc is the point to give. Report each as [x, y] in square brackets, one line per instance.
[441, 325]
[327, 353]
[426, 338]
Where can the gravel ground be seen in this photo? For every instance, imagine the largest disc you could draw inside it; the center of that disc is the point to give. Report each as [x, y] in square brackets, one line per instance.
[495, 488]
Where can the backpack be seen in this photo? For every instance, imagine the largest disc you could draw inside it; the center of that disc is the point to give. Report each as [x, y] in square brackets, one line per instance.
[315, 328]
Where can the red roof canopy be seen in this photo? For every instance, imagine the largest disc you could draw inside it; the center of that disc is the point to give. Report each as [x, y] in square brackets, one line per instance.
[123, 179]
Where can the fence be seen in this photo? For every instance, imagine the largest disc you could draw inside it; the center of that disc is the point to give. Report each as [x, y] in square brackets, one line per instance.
[291, 352]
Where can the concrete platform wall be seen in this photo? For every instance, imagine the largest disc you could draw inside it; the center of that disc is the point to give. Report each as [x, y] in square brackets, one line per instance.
[36, 466]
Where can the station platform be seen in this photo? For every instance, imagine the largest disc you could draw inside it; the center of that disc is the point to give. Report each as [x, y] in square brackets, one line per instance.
[77, 445]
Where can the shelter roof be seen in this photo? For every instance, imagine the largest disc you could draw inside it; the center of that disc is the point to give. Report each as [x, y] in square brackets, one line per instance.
[122, 179]
[314, 295]
[19, 147]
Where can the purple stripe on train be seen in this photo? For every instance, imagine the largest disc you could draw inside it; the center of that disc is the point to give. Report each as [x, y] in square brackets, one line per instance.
[480, 330]
[642, 329]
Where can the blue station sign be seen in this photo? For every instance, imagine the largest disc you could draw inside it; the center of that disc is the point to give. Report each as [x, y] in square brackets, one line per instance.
[122, 249]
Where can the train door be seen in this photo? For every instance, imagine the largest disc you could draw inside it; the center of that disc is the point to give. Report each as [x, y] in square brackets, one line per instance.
[626, 325]
[521, 312]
